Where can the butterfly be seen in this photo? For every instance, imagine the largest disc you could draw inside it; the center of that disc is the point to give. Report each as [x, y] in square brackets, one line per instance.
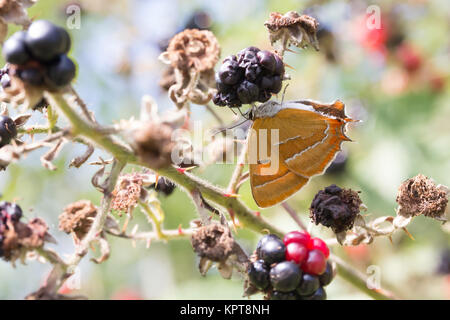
[289, 143]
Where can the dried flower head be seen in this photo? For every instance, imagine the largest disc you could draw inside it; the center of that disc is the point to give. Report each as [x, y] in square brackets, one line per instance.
[13, 11]
[77, 218]
[129, 189]
[292, 29]
[213, 241]
[153, 144]
[193, 49]
[420, 195]
[192, 54]
[335, 208]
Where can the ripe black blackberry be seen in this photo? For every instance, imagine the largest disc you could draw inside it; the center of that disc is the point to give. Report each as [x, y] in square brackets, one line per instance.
[250, 76]
[39, 55]
[8, 130]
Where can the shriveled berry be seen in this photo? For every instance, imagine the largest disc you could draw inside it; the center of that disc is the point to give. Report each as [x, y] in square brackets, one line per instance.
[272, 251]
[308, 285]
[267, 60]
[315, 263]
[300, 237]
[252, 72]
[285, 276]
[62, 71]
[14, 49]
[258, 274]
[46, 41]
[229, 72]
[264, 95]
[320, 294]
[279, 65]
[319, 244]
[8, 130]
[296, 252]
[247, 92]
[277, 83]
[326, 277]
[11, 209]
[247, 57]
[278, 295]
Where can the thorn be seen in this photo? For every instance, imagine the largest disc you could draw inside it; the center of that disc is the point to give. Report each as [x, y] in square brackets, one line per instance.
[231, 212]
[409, 234]
[258, 214]
[390, 239]
[290, 50]
[231, 195]
[291, 67]
[183, 170]
[180, 231]
[156, 180]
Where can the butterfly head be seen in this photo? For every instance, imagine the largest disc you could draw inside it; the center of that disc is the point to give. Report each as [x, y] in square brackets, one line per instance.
[264, 110]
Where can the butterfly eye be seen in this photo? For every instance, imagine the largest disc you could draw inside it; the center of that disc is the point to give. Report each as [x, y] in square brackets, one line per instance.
[250, 115]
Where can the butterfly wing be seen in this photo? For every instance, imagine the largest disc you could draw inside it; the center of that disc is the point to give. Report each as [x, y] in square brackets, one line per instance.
[308, 140]
[270, 187]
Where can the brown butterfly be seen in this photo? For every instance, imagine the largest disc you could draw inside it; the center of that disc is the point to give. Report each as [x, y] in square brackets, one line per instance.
[289, 143]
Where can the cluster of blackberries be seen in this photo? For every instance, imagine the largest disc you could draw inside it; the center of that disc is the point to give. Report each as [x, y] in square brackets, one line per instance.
[40, 55]
[8, 211]
[294, 268]
[8, 130]
[250, 76]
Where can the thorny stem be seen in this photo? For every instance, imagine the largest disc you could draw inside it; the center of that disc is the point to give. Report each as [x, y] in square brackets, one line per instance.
[167, 235]
[189, 182]
[154, 219]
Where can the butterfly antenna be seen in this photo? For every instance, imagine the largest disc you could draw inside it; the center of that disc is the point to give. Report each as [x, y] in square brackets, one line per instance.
[232, 127]
[284, 92]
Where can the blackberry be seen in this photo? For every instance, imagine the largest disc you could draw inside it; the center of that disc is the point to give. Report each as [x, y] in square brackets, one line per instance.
[46, 41]
[285, 276]
[32, 76]
[8, 130]
[308, 285]
[61, 71]
[14, 49]
[250, 76]
[258, 274]
[326, 277]
[272, 250]
[278, 295]
[320, 294]
[263, 240]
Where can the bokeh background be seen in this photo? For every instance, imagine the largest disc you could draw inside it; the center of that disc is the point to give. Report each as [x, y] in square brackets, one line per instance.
[395, 79]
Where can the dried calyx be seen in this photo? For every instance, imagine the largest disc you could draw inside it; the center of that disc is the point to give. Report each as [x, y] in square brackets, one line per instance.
[292, 29]
[421, 196]
[192, 54]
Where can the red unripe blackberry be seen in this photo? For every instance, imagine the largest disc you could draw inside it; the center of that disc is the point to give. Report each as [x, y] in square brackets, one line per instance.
[296, 252]
[315, 263]
[319, 244]
[300, 237]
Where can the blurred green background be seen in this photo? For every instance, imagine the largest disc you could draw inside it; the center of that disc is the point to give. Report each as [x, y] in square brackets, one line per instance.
[395, 79]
